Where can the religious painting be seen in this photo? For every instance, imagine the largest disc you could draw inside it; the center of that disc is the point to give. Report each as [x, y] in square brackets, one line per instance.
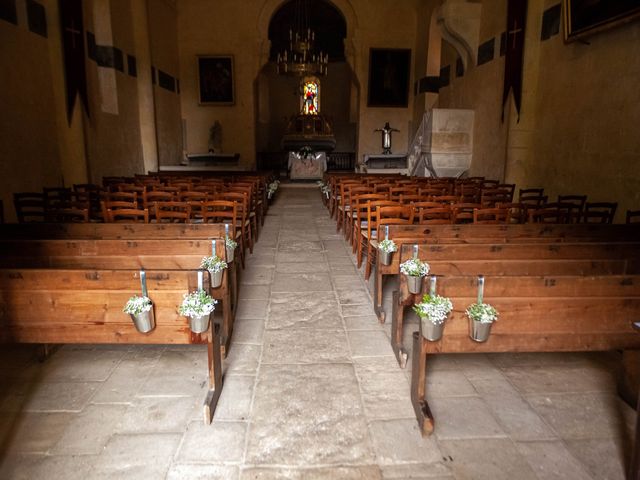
[389, 71]
[586, 17]
[310, 98]
[215, 80]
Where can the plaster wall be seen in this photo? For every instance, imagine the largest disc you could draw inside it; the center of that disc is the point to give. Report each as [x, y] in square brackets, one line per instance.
[587, 112]
[113, 130]
[370, 24]
[29, 153]
[163, 38]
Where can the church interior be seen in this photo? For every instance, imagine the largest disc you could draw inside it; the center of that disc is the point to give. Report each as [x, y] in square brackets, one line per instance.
[307, 203]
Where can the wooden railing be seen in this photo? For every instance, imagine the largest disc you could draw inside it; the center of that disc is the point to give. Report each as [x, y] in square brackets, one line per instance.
[277, 161]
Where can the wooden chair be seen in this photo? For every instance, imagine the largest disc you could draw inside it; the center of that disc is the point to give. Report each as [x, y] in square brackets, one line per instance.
[358, 217]
[633, 216]
[172, 212]
[516, 212]
[370, 232]
[489, 184]
[579, 201]
[29, 206]
[490, 215]
[242, 209]
[149, 198]
[344, 210]
[490, 197]
[463, 212]
[441, 215]
[510, 187]
[67, 215]
[599, 212]
[396, 192]
[533, 197]
[546, 215]
[248, 191]
[386, 215]
[127, 215]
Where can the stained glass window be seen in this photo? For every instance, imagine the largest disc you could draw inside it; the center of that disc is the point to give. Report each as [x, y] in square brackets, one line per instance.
[310, 100]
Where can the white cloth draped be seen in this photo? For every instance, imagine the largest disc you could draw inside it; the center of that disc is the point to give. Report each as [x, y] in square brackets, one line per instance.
[312, 167]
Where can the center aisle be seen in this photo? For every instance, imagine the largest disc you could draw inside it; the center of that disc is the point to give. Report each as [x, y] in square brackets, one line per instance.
[311, 376]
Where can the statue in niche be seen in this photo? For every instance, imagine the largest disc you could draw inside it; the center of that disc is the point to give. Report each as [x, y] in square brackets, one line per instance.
[386, 137]
[215, 138]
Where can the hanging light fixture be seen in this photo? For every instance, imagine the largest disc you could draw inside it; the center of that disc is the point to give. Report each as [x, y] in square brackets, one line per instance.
[300, 58]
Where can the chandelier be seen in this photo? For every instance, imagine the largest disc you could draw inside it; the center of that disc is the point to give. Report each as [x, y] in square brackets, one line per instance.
[300, 58]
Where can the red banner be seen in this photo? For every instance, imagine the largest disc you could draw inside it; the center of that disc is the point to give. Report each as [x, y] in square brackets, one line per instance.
[514, 56]
[72, 30]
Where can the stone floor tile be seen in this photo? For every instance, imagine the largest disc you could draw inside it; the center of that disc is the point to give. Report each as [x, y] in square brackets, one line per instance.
[136, 456]
[347, 281]
[369, 472]
[295, 246]
[559, 379]
[299, 257]
[235, 399]
[367, 343]
[81, 365]
[412, 448]
[33, 432]
[486, 459]
[552, 460]
[260, 260]
[357, 310]
[448, 383]
[603, 457]
[386, 395]
[314, 267]
[305, 346]
[88, 432]
[256, 276]
[55, 397]
[254, 292]
[345, 268]
[291, 310]
[572, 415]
[182, 471]
[307, 415]
[365, 322]
[516, 417]
[242, 359]
[252, 309]
[159, 414]
[463, 417]
[222, 441]
[125, 381]
[431, 471]
[301, 282]
[375, 365]
[47, 467]
[353, 296]
[248, 331]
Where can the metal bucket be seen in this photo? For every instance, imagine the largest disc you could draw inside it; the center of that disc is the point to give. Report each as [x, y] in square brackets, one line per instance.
[431, 331]
[199, 324]
[479, 332]
[414, 284]
[385, 257]
[230, 254]
[144, 322]
[216, 278]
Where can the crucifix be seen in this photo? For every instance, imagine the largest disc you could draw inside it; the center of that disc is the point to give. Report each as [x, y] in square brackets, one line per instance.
[72, 30]
[515, 32]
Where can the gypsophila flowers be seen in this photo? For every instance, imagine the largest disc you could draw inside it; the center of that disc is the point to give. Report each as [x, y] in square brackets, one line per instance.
[388, 246]
[415, 268]
[482, 312]
[137, 305]
[434, 308]
[197, 304]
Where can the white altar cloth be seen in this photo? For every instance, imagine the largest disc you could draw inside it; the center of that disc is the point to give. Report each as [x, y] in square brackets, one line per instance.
[312, 167]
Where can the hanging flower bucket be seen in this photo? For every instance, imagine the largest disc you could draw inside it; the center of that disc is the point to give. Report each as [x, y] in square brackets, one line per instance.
[433, 312]
[386, 247]
[415, 270]
[215, 265]
[230, 245]
[198, 306]
[481, 317]
[141, 311]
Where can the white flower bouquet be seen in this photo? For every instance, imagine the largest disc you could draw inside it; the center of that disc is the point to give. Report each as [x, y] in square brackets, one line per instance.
[415, 267]
[137, 305]
[214, 264]
[197, 304]
[482, 312]
[388, 246]
[434, 308]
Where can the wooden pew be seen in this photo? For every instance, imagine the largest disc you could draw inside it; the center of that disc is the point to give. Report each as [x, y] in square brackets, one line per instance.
[55, 305]
[511, 260]
[122, 255]
[536, 314]
[227, 293]
[493, 234]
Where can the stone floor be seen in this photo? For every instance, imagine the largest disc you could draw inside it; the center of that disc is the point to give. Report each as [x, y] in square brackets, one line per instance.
[311, 391]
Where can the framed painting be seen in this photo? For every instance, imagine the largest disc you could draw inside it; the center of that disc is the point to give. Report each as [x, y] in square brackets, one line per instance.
[389, 71]
[215, 80]
[586, 17]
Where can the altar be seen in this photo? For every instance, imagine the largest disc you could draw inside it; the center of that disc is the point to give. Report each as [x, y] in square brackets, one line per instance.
[311, 167]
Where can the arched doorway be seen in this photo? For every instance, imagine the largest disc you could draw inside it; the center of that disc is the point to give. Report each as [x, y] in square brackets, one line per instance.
[278, 96]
